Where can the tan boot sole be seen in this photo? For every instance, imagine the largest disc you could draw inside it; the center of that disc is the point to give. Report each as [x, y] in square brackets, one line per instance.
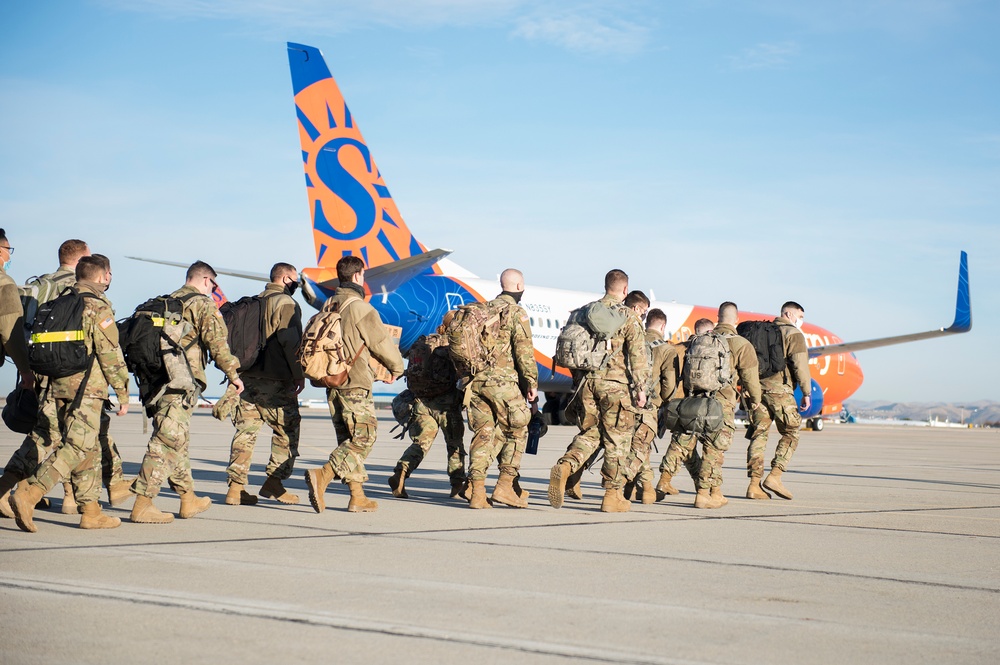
[5, 509]
[367, 507]
[103, 522]
[316, 499]
[557, 487]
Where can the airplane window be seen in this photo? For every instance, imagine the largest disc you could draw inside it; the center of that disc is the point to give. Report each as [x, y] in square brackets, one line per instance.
[548, 323]
[532, 320]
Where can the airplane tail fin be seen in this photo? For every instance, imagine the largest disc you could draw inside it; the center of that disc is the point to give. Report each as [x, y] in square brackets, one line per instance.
[351, 208]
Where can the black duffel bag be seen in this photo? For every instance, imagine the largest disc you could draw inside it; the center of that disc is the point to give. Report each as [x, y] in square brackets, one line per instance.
[697, 414]
[20, 413]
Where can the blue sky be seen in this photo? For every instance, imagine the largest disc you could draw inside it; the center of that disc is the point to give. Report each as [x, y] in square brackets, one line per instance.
[835, 153]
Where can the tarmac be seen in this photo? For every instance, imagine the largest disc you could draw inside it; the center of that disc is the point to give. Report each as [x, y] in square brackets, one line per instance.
[889, 553]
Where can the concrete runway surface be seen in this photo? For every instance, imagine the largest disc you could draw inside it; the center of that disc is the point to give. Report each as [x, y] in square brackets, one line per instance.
[889, 553]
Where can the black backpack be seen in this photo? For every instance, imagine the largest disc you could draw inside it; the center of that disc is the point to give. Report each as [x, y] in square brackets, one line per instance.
[247, 333]
[56, 348]
[765, 336]
[140, 335]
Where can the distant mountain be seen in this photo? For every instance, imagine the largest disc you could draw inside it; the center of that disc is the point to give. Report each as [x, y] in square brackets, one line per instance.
[982, 412]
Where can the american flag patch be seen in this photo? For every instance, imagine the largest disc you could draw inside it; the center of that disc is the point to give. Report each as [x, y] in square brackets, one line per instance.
[106, 322]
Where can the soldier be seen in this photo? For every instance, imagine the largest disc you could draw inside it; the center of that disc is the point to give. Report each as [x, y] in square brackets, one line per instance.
[270, 395]
[78, 453]
[607, 403]
[351, 406]
[683, 446]
[437, 404]
[167, 457]
[743, 359]
[663, 381]
[46, 435]
[12, 342]
[498, 412]
[779, 406]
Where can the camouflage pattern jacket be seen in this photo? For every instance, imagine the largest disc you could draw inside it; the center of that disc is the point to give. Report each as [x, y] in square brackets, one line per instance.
[516, 359]
[208, 335]
[627, 363]
[796, 362]
[666, 370]
[12, 342]
[362, 325]
[100, 334]
[283, 328]
[743, 359]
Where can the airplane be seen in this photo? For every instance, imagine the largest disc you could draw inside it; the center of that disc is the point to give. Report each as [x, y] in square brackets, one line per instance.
[412, 287]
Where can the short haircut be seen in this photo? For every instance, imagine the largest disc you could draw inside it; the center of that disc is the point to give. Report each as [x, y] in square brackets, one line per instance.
[91, 268]
[702, 326]
[71, 250]
[200, 269]
[792, 305]
[728, 310]
[105, 261]
[3, 235]
[279, 270]
[636, 298]
[655, 317]
[615, 280]
[348, 267]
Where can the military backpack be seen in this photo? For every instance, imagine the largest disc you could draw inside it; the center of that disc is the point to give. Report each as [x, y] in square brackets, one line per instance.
[707, 368]
[475, 337]
[584, 343]
[57, 346]
[246, 324]
[151, 341]
[765, 336]
[429, 370]
[696, 414]
[36, 292]
[322, 354]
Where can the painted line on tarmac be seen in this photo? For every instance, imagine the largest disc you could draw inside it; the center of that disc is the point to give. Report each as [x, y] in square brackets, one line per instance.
[301, 616]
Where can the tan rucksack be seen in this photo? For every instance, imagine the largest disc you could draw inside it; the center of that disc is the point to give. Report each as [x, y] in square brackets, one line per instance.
[322, 352]
[474, 337]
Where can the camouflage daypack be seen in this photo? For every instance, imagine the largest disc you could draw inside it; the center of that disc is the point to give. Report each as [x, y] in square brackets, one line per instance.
[322, 352]
[430, 371]
[584, 343]
[39, 290]
[706, 365]
[475, 342]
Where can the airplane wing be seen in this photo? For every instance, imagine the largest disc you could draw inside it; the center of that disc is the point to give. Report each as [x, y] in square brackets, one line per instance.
[961, 324]
[256, 276]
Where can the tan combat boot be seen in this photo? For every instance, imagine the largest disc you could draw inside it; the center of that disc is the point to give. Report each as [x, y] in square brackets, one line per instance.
[5, 509]
[615, 501]
[316, 482]
[359, 503]
[69, 505]
[557, 483]
[718, 496]
[144, 512]
[704, 499]
[93, 518]
[7, 482]
[238, 496]
[23, 503]
[574, 485]
[504, 492]
[478, 499]
[119, 492]
[397, 482]
[755, 491]
[192, 504]
[663, 488]
[648, 494]
[522, 493]
[273, 489]
[773, 483]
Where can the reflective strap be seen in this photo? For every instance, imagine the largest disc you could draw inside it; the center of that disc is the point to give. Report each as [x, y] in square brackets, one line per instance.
[158, 321]
[62, 336]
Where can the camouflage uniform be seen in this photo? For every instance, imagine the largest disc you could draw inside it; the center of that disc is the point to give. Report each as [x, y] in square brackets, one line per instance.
[665, 370]
[351, 405]
[498, 412]
[605, 404]
[46, 437]
[743, 359]
[12, 343]
[430, 414]
[779, 403]
[269, 392]
[683, 447]
[77, 453]
[167, 453]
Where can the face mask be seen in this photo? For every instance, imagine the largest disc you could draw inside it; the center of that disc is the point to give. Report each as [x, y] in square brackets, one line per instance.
[798, 324]
[516, 295]
[6, 265]
[291, 288]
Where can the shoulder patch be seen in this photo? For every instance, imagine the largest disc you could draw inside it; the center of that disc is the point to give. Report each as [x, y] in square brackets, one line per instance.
[106, 322]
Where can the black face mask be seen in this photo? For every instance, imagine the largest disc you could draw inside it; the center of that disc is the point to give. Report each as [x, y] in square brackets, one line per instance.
[291, 288]
[516, 295]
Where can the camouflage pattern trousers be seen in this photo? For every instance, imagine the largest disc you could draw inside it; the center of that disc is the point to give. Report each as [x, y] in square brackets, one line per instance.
[782, 409]
[167, 455]
[498, 417]
[683, 449]
[275, 403]
[78, 453]
[714, 449]
[431, 414]
[637, 462]
[353, 414]
[606, 418]
[47, 437]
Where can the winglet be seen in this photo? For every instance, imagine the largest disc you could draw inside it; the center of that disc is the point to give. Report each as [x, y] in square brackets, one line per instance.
[963, 304]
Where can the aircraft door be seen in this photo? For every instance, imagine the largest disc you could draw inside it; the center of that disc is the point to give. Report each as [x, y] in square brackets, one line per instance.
[841, 364]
